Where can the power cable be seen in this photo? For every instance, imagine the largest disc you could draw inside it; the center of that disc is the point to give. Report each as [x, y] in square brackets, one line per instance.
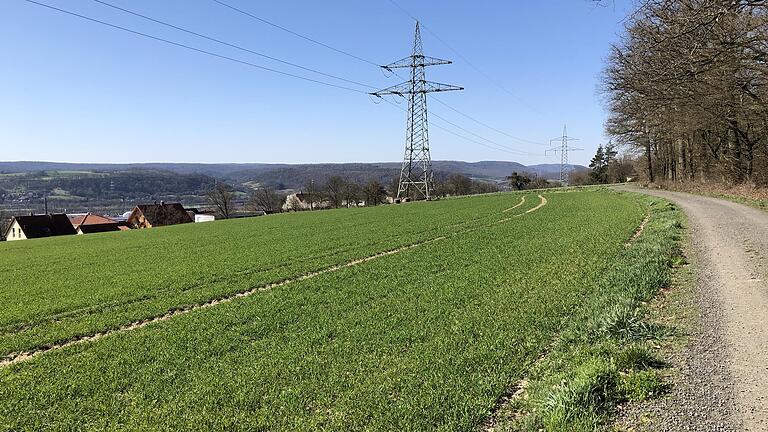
[307, 38]
[469, 63]
[191, 48]
[231, 44]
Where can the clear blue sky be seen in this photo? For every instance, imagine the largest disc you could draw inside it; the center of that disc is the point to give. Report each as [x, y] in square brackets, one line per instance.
[76, 91]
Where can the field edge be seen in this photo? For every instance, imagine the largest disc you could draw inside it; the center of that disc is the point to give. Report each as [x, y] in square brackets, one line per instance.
[606, 355]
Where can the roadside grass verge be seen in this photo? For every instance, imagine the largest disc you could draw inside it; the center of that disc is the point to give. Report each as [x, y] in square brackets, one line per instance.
[605, 355]
[422, 340]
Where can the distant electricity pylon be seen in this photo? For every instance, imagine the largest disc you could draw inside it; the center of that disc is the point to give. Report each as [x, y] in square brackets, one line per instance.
[416, 173]
[563, 149]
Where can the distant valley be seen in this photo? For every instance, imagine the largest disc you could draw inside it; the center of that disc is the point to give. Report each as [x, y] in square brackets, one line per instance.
[112, 188]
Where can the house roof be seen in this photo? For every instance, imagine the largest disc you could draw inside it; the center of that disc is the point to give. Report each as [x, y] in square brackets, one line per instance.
[37, 226]
[163, 214]
[98, 228]
[91, 219]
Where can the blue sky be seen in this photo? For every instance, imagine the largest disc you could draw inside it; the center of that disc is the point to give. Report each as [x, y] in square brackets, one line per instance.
[76, 91]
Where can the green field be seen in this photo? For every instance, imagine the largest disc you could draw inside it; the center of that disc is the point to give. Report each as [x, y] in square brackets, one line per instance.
[427, 337]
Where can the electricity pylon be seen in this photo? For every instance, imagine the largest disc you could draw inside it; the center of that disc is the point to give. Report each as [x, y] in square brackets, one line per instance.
[563, 149]
[416, 178]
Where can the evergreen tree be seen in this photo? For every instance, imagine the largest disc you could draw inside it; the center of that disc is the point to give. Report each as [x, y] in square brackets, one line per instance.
[599, 166]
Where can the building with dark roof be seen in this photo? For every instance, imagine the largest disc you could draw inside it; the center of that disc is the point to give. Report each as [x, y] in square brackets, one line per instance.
[155, 215]
[39, 226]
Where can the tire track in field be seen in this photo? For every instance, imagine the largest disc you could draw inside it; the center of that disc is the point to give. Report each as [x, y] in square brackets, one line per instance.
[15, 358]
[542, 203]
[522, 201]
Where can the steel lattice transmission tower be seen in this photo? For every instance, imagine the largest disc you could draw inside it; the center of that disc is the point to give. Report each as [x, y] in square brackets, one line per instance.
[563, 149]
[416, 178]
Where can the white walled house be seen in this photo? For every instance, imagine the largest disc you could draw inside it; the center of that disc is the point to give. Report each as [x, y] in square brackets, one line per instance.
[15, 232]
[39, 226]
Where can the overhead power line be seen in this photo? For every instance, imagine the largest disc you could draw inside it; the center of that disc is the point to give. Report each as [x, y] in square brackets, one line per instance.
[487, 125]
[231, 45]
[332, 48]
[191, 48]
[493, 145]
[299, 35]
[466, 60]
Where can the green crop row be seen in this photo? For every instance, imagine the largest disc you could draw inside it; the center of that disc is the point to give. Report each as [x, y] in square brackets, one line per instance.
[61, 288]
[425, 339]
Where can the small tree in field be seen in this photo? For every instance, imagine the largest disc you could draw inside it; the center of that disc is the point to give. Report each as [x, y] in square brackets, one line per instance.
[265, 199]
[518, 181]
[221, 198]
[374, 193]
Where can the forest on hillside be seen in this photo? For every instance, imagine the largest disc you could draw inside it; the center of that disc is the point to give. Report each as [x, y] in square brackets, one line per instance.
[686, 90]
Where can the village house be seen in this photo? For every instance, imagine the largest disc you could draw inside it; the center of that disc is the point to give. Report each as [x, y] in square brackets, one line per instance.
[90, 223]
[300, 201]
[156, 215]
[39, 226]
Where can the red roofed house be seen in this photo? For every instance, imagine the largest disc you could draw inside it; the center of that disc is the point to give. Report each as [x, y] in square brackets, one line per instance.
[91, 223]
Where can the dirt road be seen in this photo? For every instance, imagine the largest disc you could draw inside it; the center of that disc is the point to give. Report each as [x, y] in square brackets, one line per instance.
[724, 371]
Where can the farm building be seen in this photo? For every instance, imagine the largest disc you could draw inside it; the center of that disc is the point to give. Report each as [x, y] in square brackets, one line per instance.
[90, 223]
[204, 218]
[156, 215]
[39, 226]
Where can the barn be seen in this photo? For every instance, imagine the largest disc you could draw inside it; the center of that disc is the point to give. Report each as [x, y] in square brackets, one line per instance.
[156, 215]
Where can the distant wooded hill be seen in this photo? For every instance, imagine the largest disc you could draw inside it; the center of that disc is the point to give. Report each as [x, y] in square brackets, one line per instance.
[193, 177]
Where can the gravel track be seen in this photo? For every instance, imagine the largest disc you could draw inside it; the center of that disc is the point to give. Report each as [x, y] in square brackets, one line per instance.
[721, 377]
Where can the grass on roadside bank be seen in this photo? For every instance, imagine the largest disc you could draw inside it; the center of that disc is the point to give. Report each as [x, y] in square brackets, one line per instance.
[593, 367]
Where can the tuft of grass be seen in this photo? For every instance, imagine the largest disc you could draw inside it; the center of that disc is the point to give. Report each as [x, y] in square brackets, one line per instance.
[641, 385]
[627, 322]
[636, 357]
[578, 400]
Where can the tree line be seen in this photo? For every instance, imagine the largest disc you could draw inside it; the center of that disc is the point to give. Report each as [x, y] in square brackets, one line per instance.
[686, 90]
[336, 192]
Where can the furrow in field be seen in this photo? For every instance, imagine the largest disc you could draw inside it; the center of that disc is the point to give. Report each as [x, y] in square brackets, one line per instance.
[173, 313]
[638, 231]
[13, 358]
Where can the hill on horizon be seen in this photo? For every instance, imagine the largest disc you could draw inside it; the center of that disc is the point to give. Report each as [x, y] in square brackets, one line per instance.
[288, 176]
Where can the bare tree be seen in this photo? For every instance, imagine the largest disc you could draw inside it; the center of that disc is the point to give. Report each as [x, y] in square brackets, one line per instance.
[352, 193]
[687, 87]
[265, 199]
[374, 193]
[222, 197]
[334, 191]
[313, 194]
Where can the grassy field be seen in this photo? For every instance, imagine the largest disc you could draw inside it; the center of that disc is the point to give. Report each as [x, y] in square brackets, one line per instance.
[65, 287]
[425, 338]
